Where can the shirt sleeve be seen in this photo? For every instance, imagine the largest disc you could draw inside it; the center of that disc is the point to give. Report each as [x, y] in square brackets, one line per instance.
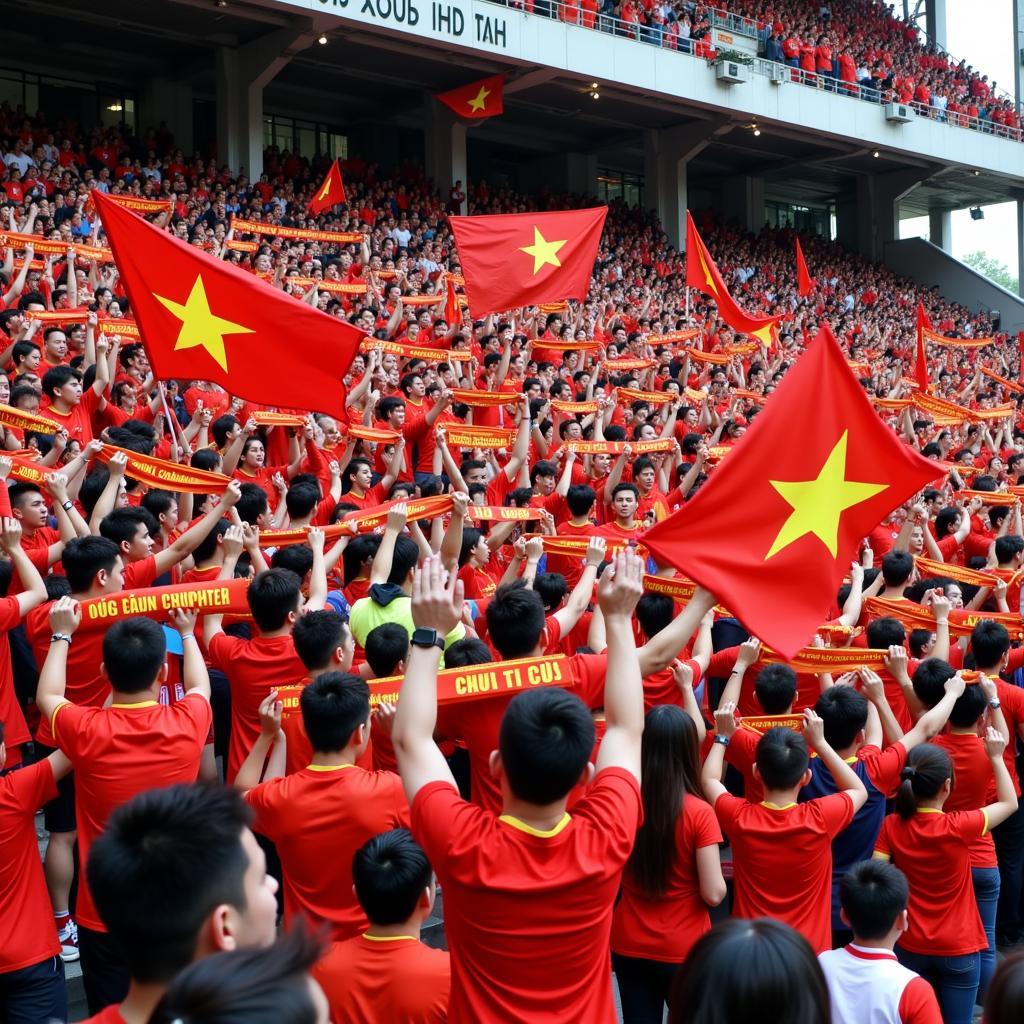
[66, 726]
[140, 574]
[884, 766]
[613, 805]
[918, 1004]
[10, 613]
[883, 848]
[262, 800]
[589, 671]
[439, 816]
[836, 812]
[722, 662]
[707, 831]
[33, 786]
[222, 649]
[727, 808]
[197, 709]
[742, 749]
[968, 824]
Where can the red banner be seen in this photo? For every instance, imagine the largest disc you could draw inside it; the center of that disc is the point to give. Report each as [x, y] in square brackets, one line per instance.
[220, 597]
[661, 444]
[167, 475]
[503, 514]
[493, 679]
[256, 227]
[11, 417]
[484, 399]
[478, 437]
[265, 418]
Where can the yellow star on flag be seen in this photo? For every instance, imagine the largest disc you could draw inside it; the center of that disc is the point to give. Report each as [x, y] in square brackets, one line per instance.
[325, 190]
[479, 101]
[543, 251]
[818, 504]
[707, 273]
[765, 334]
[199, 326]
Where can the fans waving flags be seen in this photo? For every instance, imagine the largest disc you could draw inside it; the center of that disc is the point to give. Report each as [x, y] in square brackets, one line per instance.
[804, 281]
[330, 193]
[477, 100]
[522, 259]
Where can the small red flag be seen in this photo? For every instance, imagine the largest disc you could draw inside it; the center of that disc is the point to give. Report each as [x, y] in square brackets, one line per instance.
[452, 309]
[204, 318]
[921, 356]
[923, 323]
[483, 98]
[821, 470]
[330, 193]
[804, 281]
[523, 259]
[702, 274]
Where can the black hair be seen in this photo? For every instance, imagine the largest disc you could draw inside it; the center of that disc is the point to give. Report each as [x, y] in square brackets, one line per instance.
[775, 687]
[552, 587]
[84, 557]
[386, 406]
[946, 520]
[252, 503]
[670, 770]
[359, 550]
[782, 758]
[122, 525]
[301, 499]
[469, 651]
[57, 377]
[918, 640]
[296, 557]
[873, 894]
[580, 498]
[844, 713]
[404, 559]
[1008, 546]
[930, 680]
[389, 873]
[969, 707]
[542, 468]
[885, 632]
[134, 652]
[221, 427]
[387, 645]
[515, 619]
[158, 502]
[654, 612]
[897, 567]
[208, 545]
[205, 458]
[747, 970]
[272, 595]
[926, 771]
[165, 860]
[333, 706]
[989, 642]
[545, 741]
[470, 538]
[246, 986]
[317, 635]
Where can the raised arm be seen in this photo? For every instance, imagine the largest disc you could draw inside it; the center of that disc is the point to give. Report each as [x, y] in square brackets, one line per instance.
[1006, 795]
[65, 618]
[663, 647]
[271, 737]
[845, 777]
[194, 675]
[192, 538]
[620, 589]
[436, 605]
[381, 567]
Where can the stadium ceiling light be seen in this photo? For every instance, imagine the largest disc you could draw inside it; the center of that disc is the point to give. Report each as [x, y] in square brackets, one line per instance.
[322, 40]
[221, 3]
[875, 154]
[976, 173]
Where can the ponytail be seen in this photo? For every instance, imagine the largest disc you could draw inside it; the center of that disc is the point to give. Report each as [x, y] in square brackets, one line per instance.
[926, 771]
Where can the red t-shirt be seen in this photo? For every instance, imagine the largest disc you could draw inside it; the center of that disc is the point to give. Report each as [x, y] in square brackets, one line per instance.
[393, 978]
[120, 751]
[27, 934]
[478, 722]
[570, 566]
[975, 787]
[77, 422]
[253, 667]
[317, 819]
[528, 914]
[86, 685]
[15, 728]
[666, 928]
[783, 860]
[933, 850]
[108, 1015]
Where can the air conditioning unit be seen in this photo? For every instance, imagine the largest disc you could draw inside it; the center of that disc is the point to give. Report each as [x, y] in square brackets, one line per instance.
[731, 72]
[898, 113]
[779, 74]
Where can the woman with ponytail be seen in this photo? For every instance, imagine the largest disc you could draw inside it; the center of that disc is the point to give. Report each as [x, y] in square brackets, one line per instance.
[674, 873]
[944, 936]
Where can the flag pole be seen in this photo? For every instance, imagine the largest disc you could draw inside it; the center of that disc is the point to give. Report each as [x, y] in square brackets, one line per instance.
[687, 304]
[171, 419]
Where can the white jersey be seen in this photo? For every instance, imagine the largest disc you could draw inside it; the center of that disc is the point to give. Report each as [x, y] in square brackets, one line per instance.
[870, 986]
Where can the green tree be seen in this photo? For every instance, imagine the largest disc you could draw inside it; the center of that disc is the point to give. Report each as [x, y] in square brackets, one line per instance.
[991, 268]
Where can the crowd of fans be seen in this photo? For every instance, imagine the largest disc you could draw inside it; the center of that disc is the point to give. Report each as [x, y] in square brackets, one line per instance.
[857, 47]
[161, 754]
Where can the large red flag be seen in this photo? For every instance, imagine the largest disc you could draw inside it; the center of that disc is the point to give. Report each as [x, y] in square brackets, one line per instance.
[483, 98]
[204, 318]
[804, 281]
[523, 259]
[702, 274]
[774, 530]
[330, 193]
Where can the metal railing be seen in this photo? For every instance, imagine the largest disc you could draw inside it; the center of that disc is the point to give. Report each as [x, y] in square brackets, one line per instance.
[596, 14]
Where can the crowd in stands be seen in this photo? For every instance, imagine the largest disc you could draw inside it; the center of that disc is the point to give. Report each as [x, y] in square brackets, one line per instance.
[860, 48]
[573, 832]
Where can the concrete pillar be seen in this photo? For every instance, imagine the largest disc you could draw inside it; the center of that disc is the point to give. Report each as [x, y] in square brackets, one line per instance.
[940, 229]
[444, 137]
[168, 100]
[878, 218]
[935, 21]
[666, 154]
[743, 201]
[242, 73]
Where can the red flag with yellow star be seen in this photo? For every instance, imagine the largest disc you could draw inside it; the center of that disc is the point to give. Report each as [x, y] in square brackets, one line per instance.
[774, 530]
[523, 259]
[204, 319]
[804, 281]
[702, 274]
[476, 100]
[330, 193]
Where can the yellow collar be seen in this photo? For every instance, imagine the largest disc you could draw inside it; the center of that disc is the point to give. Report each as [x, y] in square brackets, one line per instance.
[508, 819]
[140, 704]
[389, 938]
[776, 807]
[328, 767]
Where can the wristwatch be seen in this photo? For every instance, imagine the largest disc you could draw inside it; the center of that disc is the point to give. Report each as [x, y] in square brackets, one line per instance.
[427, 638]
[994, 704]
[720, 738]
